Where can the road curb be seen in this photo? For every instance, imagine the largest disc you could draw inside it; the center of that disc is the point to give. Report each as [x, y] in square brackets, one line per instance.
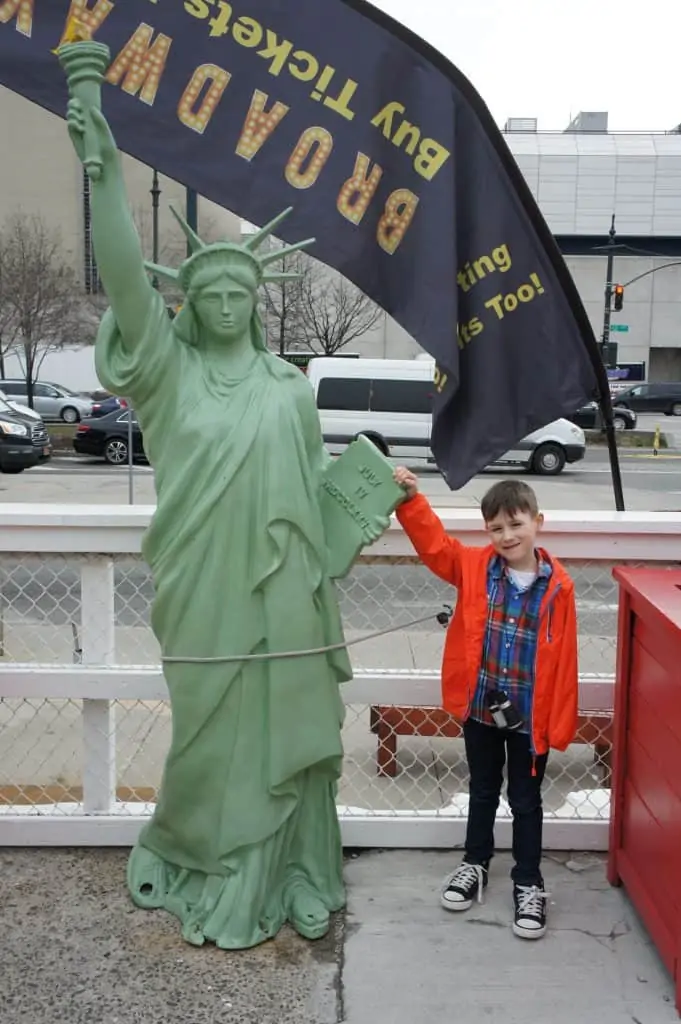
[628, 439]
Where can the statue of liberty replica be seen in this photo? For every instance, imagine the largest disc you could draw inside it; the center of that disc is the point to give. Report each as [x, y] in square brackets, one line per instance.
[245, 835]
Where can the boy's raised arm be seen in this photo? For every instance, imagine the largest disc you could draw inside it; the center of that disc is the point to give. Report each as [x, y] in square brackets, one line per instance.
[436, 549]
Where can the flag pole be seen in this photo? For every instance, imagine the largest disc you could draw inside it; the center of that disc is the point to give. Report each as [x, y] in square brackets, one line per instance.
[605, 403]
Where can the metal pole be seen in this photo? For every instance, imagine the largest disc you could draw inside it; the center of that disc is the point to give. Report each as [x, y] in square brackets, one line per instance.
[607, 309]
[647, 273]
[605, 404]
[611, 438]
[192, 214]
[131, 474]
[155, 196]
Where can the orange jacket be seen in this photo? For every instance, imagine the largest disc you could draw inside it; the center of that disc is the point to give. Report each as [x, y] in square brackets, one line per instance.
[555, 697]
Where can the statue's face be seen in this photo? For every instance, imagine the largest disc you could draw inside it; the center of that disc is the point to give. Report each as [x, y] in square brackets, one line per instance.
[225, 308]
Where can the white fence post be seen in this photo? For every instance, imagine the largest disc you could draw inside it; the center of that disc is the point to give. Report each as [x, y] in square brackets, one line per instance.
[98, 645]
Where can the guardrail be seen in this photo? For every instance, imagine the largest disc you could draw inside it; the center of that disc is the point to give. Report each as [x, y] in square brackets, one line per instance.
[85, 720]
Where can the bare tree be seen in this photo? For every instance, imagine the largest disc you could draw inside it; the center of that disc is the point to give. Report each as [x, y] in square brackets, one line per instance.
[334, 313]
[283, 305]
[8, 320]
[41, 300]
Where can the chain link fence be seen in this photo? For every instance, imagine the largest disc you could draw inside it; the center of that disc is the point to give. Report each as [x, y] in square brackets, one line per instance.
[400, 760]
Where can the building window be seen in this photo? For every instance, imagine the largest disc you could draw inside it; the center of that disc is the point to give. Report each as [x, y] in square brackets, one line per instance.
[93, 285]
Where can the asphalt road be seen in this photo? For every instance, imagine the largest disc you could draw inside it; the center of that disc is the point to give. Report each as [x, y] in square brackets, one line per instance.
[650, 483]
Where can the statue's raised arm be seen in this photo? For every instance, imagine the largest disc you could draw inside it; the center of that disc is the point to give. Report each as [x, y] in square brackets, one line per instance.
[116, 242]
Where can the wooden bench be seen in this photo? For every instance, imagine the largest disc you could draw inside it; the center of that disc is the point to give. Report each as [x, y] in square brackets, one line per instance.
[390, 721]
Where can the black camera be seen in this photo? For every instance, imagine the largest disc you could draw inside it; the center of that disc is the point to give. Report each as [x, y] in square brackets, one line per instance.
[502, 711]
[444, 616]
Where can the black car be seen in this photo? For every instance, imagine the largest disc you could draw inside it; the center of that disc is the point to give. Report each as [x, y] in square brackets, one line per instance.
[588, 418]
[662, 396]
[106, 437]
[24, 441]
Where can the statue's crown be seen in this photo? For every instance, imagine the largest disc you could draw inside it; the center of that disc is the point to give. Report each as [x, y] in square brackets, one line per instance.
[218, 253]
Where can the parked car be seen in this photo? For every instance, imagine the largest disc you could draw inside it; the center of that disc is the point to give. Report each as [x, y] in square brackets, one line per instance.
[111, 403]
[23, 409]
[663, 396]
[588, 419]
[106, 437]
[52, 401]
[23, 441]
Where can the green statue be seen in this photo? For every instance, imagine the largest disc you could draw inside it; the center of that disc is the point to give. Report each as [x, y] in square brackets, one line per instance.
[245, 834]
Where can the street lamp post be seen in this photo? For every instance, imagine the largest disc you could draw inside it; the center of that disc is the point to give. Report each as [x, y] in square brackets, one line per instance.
[605, 411]
[607, 309]
[192, 213]
[155, 196]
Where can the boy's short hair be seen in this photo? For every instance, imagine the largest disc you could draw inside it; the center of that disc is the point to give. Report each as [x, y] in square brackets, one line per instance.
[511, 497]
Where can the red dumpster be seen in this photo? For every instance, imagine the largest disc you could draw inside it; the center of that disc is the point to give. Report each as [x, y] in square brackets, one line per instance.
[645, 824]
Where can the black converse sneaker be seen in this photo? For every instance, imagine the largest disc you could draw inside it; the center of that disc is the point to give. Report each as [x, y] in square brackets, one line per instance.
[529, 902]
[463, 886]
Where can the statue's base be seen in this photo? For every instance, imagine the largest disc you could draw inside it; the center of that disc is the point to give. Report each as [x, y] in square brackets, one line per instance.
[218, 908]
[293, 874]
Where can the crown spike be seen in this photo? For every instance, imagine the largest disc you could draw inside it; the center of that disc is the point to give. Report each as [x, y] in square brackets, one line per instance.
[280, 254]
[259, 237]
[195, 242]
[155, 268]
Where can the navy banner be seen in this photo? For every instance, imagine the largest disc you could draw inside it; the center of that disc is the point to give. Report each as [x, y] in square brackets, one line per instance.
[389, 158]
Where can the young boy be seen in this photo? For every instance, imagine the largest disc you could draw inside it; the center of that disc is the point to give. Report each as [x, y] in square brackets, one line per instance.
[513, 635]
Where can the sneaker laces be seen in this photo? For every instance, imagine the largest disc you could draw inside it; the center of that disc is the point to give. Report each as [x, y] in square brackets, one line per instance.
[466, 874]
[530, 900]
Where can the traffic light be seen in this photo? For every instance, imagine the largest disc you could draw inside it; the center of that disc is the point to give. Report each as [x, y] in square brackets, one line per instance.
[619, 297]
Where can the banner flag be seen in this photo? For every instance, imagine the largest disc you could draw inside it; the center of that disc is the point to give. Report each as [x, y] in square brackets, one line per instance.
[389, 158]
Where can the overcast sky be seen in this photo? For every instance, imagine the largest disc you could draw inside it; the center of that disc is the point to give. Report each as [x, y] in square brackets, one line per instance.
[552, 58]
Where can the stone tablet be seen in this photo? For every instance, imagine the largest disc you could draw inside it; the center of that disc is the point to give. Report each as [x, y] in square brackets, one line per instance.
[358, 489]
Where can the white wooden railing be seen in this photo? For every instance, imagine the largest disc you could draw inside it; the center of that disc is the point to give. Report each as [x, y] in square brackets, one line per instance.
[423, 807]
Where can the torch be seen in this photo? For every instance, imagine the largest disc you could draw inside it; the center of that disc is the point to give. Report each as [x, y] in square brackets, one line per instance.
[85, 63]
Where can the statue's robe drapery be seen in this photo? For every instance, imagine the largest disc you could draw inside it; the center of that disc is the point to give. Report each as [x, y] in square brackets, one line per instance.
[246, 810]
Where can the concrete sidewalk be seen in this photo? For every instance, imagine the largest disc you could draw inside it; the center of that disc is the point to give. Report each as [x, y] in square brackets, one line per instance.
[74, 950]
[408, 961]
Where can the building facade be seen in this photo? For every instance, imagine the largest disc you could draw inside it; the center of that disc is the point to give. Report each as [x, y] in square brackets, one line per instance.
[580, 178]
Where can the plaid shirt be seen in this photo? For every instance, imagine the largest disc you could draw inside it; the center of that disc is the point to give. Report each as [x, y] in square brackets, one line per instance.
[510, 641]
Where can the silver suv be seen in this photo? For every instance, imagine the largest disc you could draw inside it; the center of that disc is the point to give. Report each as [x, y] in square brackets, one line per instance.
[51, 401]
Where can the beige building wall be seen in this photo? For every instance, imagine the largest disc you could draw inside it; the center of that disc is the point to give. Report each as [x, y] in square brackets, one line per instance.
[40, 174]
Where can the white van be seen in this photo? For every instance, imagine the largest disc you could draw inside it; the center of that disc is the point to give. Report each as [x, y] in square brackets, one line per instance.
[389, 401]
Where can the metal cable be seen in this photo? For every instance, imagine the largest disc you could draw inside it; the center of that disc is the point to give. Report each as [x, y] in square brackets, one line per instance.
[441, 617]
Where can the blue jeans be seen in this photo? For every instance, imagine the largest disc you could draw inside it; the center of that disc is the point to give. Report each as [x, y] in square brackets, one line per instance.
[488, 749]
